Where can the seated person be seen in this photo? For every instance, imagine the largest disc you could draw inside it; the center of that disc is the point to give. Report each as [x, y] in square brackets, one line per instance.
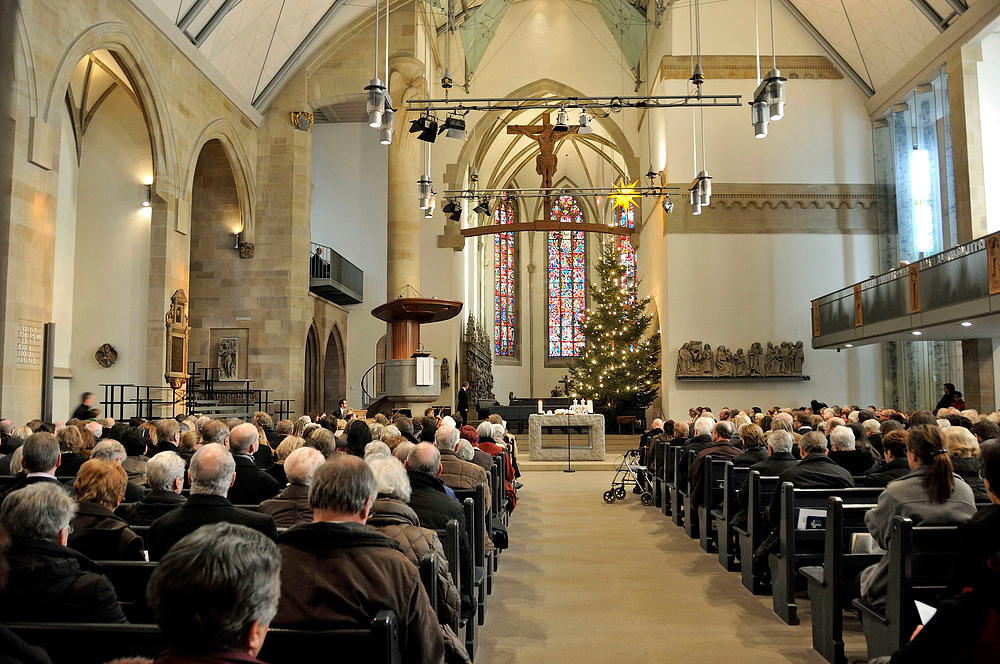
[721, 448]
[165, 478]
[287, 445]
[214, 595]
[212, 472]
[338, 572]
[896, 463]
[40, 458]
[97, 532]
[931, 495]
[291, 506]
[252, 485]
[847, 456]
[48, 581]
[391, 515]
[754, 448]
[455, 471]
[71, 447]
[779, 447]
[963, 448]
[979, 539]
[114, 451]
[705, 436]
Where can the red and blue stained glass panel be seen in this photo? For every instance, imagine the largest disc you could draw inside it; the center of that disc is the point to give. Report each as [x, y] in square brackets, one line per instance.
[567, 275]
[504, 273]
[626, 252]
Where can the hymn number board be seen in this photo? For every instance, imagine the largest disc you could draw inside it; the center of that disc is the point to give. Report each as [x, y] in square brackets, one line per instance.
[29, 344]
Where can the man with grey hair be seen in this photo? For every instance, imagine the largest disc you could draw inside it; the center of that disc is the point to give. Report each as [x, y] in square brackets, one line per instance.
[721, 448]
[215, 594]
[456, 472]
[291, 506]
[705, 432]
[112, 450]
[252, 486]
[165, 476]
[40, 459]
[779, 447]
[48, 581]
[815, 471]
[212, 472]
[215, 431]
[845, 454]
[96, 429]
[335, 570]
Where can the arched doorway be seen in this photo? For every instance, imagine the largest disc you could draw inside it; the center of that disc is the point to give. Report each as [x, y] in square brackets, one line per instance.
[334, 371]
[313, 373]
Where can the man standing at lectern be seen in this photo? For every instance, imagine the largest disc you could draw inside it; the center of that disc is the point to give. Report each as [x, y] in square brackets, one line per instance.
[463, 402]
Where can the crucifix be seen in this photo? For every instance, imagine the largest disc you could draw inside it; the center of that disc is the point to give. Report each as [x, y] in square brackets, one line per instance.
[546, 163]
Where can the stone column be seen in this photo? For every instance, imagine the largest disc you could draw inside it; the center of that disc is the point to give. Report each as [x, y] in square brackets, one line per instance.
[967, 142]
[978, 385]
[406, 81]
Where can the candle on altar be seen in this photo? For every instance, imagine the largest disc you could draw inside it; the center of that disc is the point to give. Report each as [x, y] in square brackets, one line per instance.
[539, 406]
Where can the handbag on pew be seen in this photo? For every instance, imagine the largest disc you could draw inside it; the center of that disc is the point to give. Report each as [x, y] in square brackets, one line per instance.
[498, 533]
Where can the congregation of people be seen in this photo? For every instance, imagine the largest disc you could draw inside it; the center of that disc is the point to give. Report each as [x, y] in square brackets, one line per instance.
[316, 524]
[935, 469]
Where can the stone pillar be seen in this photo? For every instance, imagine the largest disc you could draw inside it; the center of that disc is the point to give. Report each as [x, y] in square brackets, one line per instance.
[967, 142]
[979, 388]
[406, 81]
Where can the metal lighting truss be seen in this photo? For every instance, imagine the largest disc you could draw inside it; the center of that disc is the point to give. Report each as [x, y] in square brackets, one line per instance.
[611, 104]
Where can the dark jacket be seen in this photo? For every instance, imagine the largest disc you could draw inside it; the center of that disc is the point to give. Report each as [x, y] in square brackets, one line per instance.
[70, 464]
[277, 471]
[857, 462]
[395, 519]
[263, 457]
[164, 446]
[968, 469]
[717, 451]
[887, 473]
[82, 412]
[201, 509]
[816, 471]
[101, 535]
[772, 466]
[482, 459]
[435, 509]
[751, 456]
[152, 507]
[463, 402]
[698, 443]
[15, 650]
[336, 575]
[289, 507]
[175, 657]
[49, 582]
[24, 481]
[252, 486]
[978, 542]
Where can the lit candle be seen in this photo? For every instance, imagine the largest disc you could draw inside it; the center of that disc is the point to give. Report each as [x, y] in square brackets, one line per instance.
[539, 406]
[590, 406]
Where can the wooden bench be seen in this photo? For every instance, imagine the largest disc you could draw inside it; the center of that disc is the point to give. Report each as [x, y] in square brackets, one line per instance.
[713, 486]
[666, 471]
[450, 537]
[684, 497]
[798, 548]
[88, 643]
[831, 587]
[726, 534]
[476, 516]
[920, 560]
[761, 490]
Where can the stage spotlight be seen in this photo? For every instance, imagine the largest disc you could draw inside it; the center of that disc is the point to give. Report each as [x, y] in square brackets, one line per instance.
[483, 207]
[585, 127]
[426, 127]
[759, 117]
[455, 126]
[562, 120]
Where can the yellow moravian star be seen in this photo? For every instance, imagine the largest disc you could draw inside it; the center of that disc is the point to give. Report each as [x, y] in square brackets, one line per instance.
[624, 196]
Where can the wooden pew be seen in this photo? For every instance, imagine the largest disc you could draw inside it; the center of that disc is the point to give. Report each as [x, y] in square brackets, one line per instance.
[130, 579]
[451, 542]
[920, 560]
[477, 535]
[664, 474]
[684, 496]
[761, 489]
[798, 548]
[87, 643]
[428, 578]
[726, 534]
[712, 494]
[831, 587]
[670, 507]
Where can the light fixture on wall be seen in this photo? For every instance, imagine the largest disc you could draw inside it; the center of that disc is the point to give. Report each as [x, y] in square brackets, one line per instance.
[148, 195]
[236, 240]
[769, 99]
[667, 204]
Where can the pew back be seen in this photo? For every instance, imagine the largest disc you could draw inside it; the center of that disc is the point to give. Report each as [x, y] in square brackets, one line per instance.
[734, 478]
[761, 490]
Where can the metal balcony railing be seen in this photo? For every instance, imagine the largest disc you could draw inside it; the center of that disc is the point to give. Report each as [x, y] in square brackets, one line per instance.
[333, 277]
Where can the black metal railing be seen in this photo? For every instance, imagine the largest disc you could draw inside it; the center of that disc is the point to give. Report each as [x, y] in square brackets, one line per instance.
[373, 384]
[326, 265]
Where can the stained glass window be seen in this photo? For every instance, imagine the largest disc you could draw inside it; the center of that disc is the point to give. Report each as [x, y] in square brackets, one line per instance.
[567, 274]
[626, 252]
[504, 274]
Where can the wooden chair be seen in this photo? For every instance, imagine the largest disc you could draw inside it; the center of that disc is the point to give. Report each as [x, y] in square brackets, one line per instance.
[920, 560]
[726, 534]
[831, 587]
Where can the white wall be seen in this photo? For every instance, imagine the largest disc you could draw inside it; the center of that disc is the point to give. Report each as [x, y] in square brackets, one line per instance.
[63, 270]
[111, 267]
[349, 208]
[989, 113]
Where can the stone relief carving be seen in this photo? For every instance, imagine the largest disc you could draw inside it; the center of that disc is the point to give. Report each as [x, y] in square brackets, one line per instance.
[696, 358]
[477, 360]
[445, 373]
[228, 351]
[106, 355]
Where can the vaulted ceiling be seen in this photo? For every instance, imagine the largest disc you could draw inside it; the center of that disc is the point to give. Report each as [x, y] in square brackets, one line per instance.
[256, 43]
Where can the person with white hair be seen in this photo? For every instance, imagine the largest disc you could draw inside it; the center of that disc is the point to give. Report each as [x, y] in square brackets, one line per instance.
[779, 448]
[703, 427]
[96, 429]
[456, 472]
[391, 515]
[846, 455]
[448, 421]
[873, 429]
[377, 448]
[291, 506]
[389, 431]
[115, 451]
[165, 476]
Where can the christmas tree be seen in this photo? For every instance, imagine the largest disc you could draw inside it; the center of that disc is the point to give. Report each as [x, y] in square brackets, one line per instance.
[619, 367]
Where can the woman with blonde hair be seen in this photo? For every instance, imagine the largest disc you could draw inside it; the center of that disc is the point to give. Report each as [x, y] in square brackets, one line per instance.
[71, 447]
[963, 448]
[285, 448]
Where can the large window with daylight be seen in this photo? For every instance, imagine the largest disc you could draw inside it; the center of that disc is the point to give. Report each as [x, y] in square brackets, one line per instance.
[504, 277]
[567, 276]
[626, 252]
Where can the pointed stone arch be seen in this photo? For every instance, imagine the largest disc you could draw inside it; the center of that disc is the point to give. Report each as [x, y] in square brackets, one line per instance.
[313, 372]
[334, 370]
[24, 62]
[225, 132]
[121, 41]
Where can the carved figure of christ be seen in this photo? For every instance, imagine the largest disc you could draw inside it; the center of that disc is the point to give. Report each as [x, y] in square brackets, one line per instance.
[546, 135]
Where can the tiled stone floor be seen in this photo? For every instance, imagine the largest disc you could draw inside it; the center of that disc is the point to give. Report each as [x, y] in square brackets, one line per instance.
[589, 582]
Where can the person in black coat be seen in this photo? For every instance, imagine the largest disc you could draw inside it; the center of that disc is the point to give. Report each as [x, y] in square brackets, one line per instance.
[896, 466]
[97, 532]
[815, 471]
[165, 474]
[252, 486]
[751, 439]
[979, 538]
[212, 471]
[847, 456]
[70, 445]
[48, 581]
[705, 431]
[85, 411]
[947, 399]
[463, 402]
[779, 446]
[40, 459]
